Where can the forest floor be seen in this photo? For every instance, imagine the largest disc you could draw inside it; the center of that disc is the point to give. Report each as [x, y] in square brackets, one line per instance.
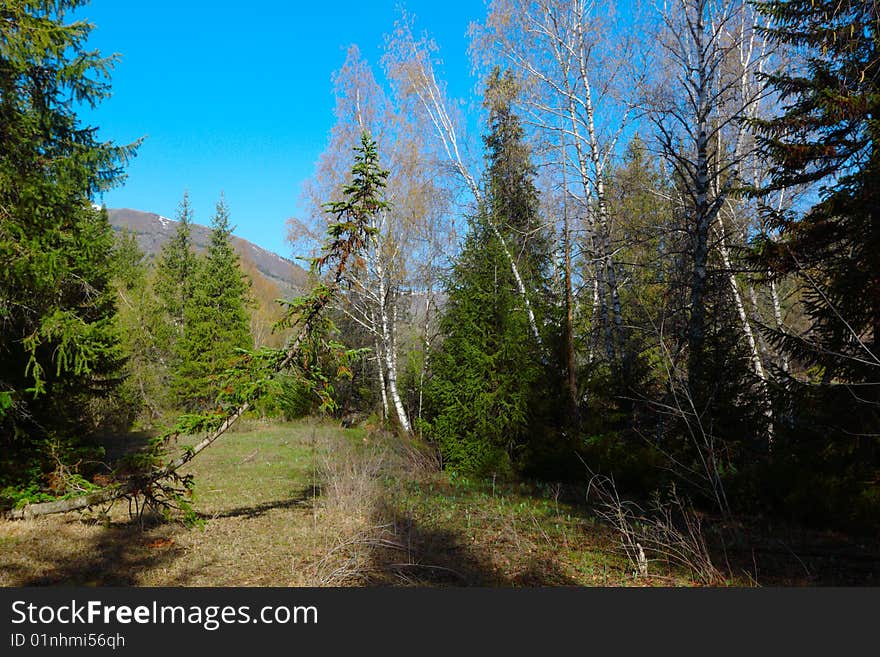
[310, 504]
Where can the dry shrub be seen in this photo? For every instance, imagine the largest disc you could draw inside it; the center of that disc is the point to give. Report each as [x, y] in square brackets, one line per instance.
[352, 478]
[669, 530]
[350, 561]
[411, 455]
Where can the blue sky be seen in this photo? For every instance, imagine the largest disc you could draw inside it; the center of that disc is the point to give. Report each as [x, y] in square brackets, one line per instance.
[237, 97]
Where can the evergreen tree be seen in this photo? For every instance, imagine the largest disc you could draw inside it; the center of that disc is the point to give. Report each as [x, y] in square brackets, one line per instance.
[481, 392]
[826, 136]
[175, 269]
[650, 251]
[215, 320]
[59, 343]
[141, 320]
[172, 283]
[511, 195]
[488, 377]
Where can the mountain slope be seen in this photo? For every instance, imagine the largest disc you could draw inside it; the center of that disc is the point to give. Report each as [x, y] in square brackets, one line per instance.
[152, 230]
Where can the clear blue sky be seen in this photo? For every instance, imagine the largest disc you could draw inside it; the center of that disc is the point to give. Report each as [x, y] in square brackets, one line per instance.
[237, 96]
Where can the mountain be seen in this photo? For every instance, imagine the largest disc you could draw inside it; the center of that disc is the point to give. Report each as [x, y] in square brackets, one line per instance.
[152, 230]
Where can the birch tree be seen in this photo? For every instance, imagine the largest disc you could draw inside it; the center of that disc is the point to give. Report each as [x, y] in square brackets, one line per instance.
[700, 106]
[396, 270]
[580, 76]
[410, 63]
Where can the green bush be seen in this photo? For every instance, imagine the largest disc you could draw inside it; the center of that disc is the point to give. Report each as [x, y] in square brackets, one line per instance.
[287, 397]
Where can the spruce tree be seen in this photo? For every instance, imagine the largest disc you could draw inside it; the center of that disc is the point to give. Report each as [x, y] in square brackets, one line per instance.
[480, 394]
[826, 138]
[175, 269]
[511, 195]
[650, 248]
[827, 134]
[488, 377]
[59, 343]
[216, 320]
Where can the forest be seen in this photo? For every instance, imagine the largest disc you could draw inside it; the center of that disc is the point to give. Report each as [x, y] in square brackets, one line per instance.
[619, 310]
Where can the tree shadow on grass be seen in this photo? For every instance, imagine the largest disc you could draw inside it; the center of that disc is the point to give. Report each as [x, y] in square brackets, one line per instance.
[76, 553]
[302, 498]
[115, 556]
[428, 556]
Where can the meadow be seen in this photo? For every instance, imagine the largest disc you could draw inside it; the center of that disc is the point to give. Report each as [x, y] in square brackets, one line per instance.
[308, 503]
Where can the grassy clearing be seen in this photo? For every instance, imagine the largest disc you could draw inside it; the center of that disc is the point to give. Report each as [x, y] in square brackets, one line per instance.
[308, 503]
[254, 492]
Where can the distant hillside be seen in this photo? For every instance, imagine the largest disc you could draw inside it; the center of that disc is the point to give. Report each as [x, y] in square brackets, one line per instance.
[152, 230]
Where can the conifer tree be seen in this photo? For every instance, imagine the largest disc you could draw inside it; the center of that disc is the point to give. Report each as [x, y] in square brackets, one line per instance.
[215, 320]
[650, 248]
[828, 134]
[826, 137]
[59, 344]
[175, 269]
[489, 374]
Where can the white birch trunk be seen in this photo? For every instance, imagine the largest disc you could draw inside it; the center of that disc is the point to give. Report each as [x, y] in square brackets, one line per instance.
[380, 367]
[387, 332]
[428, 92]
[757, 364]
[601, 204]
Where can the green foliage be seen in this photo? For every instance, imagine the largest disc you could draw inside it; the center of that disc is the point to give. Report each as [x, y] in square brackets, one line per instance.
[176, 269]
[58, 470]
[5, 403]
[292, 398]
[480, 394]
[17, 497]
[487, 378]
[144, 391]
[826, 135]
[321, 359]
[59, 341]
[215, 321]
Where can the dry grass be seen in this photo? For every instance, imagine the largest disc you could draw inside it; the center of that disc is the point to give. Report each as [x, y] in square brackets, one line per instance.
[254, 492]
[282, 505]
[351, 488]
[668, 533]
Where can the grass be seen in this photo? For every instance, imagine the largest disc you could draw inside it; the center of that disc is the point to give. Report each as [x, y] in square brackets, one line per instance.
[308, 503]
[491, 534]
[254, 492]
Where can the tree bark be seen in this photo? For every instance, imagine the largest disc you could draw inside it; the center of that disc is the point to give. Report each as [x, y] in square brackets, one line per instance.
[387, 328]
[569, 303]
[380, 367]
[391, 364]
